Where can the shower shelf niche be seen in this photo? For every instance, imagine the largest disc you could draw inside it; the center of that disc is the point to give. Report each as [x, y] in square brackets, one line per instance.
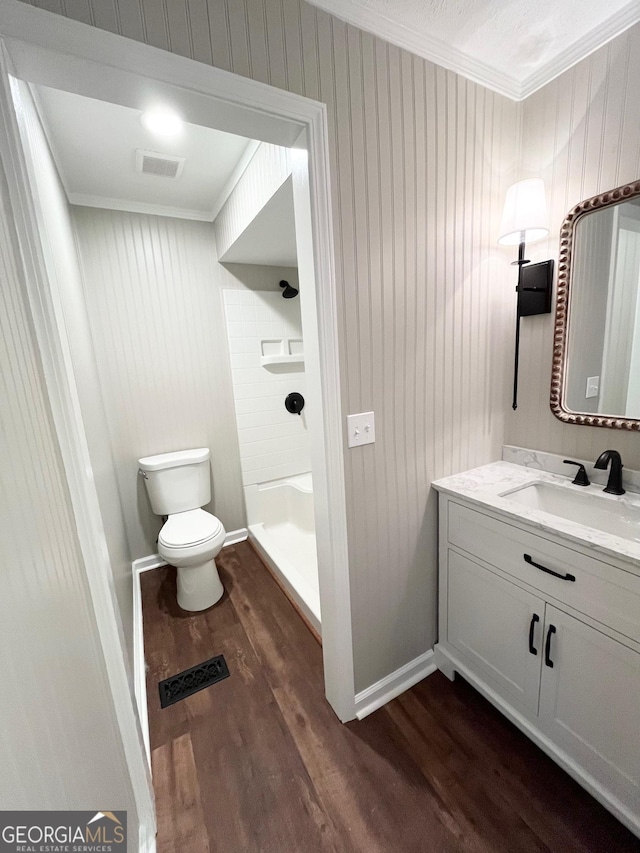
[281, 351]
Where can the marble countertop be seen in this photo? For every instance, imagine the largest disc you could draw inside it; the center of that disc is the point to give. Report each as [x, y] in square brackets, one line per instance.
[485, 487]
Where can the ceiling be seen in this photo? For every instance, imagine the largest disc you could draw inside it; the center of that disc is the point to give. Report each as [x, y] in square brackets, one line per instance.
[511, 46]
[94, 144]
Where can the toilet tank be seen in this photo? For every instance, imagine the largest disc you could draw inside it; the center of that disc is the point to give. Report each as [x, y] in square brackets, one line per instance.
[177, 482]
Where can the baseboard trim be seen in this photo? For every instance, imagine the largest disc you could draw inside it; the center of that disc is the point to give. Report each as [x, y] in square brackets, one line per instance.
[139, 668]
[146, 842]
[153, 561]
[235, 536]
[383, 691]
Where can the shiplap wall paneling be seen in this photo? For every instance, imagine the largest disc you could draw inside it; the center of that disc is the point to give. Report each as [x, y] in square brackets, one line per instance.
[420, 160]
[421, 295]
[580, 133]
[60, 745]
[268, 169]
[67, 293]
[152, 286]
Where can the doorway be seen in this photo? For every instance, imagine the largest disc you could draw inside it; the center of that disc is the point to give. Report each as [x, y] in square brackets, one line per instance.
[83, 61]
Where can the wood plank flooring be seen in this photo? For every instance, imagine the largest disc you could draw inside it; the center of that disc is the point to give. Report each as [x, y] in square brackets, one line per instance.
[259, 762]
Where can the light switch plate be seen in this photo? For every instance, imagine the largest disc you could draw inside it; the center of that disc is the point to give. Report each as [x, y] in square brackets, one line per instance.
[593, 386]
[361, 429]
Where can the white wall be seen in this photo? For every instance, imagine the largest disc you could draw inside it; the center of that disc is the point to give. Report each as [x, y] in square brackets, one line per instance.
[61, 257]
[152, 286]
[267, 171]
[273, 442]
[60, 746]
[420, 159]
[580, 133]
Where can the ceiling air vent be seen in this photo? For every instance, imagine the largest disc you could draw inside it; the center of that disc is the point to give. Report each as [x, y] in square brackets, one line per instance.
[161, 165]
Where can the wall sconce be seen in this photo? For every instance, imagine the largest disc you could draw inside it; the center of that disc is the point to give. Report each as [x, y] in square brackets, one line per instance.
[524, 220]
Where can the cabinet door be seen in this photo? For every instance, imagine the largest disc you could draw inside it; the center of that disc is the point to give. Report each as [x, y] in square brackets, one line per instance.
[590, 702]
[490, 621]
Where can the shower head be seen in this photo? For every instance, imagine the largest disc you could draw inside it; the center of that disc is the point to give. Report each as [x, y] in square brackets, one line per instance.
[288, 292]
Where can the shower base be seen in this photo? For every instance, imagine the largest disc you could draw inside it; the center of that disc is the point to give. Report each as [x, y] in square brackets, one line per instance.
[281, 525]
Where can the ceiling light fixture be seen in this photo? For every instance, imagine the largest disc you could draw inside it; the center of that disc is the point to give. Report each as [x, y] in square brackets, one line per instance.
[162, 122]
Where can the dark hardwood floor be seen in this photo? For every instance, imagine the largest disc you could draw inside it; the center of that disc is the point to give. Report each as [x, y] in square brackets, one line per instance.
[259, 762]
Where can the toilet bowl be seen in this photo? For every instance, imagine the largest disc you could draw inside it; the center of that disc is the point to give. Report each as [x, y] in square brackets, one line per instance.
[191, 541]
[179, 485]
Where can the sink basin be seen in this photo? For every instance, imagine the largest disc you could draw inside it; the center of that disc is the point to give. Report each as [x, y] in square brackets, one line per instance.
[592, 510]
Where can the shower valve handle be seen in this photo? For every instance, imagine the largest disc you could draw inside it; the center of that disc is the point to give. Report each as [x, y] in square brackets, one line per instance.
[294, 403]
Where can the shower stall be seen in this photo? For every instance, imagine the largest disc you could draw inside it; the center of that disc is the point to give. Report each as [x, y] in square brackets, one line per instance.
[268, 375]
[256, 242]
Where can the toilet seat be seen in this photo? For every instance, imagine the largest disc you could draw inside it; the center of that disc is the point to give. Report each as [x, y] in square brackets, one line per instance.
[185, 529]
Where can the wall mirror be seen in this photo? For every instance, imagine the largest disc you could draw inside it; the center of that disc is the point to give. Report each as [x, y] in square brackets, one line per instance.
[596, 358]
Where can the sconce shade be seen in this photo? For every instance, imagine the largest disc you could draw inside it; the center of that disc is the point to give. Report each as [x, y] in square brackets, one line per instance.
[525, 217]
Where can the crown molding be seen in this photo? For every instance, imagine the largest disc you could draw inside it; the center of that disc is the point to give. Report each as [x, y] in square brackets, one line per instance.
[576, 52]
[428, 47]
[85, 200]
[449, 57]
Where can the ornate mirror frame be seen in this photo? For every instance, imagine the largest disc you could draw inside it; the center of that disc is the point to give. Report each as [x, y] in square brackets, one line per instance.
[563, 303]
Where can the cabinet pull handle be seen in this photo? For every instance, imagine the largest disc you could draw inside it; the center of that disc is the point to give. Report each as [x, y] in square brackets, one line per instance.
[567, 577]
[547, 646]
[532, 626]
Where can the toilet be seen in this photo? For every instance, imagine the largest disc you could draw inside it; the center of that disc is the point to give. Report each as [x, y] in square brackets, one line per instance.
[179, 485]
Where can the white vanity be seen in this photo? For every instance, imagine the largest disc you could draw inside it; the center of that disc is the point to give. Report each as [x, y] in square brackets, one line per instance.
[541, 613]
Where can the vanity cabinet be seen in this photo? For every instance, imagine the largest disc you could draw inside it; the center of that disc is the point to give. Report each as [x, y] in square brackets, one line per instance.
[550, 635]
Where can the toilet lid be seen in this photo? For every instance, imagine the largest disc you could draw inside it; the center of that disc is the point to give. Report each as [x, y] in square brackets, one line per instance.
[189, 528]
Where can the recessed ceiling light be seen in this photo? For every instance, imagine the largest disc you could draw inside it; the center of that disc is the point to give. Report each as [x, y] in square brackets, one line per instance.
[162, 121]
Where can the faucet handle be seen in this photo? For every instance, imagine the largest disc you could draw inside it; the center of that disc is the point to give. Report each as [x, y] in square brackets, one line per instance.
[614, 483]
[581, 478]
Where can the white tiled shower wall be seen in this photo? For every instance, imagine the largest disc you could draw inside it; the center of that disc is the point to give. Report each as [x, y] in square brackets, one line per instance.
[273, 442]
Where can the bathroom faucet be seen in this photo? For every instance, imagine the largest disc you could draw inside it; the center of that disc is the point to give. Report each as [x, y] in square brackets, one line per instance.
[614, 485]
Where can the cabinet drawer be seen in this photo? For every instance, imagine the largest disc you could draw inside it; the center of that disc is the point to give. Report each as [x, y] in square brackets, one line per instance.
[601, 591]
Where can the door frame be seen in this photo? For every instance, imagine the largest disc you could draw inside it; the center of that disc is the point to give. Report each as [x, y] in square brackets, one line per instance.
[42, 47]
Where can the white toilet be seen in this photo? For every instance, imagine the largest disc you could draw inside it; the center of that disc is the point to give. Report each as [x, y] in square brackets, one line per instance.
[179, 484]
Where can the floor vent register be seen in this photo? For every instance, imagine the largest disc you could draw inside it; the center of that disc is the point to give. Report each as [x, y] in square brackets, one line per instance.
[191, 680]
